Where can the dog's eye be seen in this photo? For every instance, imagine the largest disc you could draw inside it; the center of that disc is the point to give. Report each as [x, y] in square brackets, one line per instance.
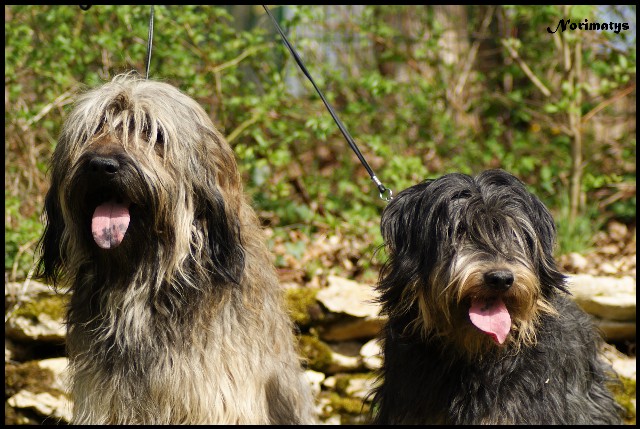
[101, 126]
[530, 243]
[462, 195]
[131, 126]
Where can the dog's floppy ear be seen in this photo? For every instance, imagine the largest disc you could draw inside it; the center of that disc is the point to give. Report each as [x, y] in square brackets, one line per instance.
[405, 230]
[546, 235]
[215, 188]
[406, 227]
[390, 223]
[401, 218]
[51, 256]
[544, 225]
[223, 238]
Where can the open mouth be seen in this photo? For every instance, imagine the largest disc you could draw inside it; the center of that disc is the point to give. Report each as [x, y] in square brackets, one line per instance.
[110, 220]
[490, 315]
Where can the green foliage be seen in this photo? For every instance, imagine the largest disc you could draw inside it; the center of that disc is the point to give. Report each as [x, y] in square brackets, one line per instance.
[575, 236]
[316, 353]
[624, 210]
[17, 256]
[625, 394]
[54, 306]
[298, 302]
[388, 82]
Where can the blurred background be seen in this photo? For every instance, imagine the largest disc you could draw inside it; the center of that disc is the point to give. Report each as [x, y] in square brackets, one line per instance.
[424, 90]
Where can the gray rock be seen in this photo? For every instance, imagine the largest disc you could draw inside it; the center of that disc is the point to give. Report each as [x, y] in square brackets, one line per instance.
[351, 329]
[58, 367]
[41, 327]
[372, 354]
[608, 298]
[345, 357]
[360, 387]
[46, 404]
[356, 303]
[349, 297]
[315, 379]
[616, 331]
[35, 312]
[577, 262]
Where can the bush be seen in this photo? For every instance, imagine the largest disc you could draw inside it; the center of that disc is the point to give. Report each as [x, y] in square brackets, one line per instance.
[390, 87]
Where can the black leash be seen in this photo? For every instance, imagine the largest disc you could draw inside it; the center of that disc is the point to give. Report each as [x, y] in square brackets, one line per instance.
[149, 42]
[149, 38]
[344, 131]
[381, 188]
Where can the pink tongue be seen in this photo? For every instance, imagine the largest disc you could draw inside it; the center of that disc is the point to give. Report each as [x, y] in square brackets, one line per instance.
[491, 316]
[109, 224]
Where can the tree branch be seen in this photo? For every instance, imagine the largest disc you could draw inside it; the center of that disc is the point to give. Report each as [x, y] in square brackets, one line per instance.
[252, 50]
[525, 68]
[473, 53]
[591, 113]
[244, 125]
[61, 100]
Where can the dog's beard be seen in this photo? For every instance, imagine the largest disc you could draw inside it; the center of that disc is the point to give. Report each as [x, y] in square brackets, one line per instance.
[460, 306]
[118, 213]
[487, 304]
[102, 206]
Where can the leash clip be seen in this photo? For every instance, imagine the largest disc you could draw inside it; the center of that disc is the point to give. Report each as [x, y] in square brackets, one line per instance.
[383, 190]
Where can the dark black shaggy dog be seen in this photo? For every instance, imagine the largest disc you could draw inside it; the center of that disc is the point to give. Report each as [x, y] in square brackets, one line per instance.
[481, 329]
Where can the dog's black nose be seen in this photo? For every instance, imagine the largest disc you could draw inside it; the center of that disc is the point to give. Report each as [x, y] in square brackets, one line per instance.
[104, 165]
[499, 279]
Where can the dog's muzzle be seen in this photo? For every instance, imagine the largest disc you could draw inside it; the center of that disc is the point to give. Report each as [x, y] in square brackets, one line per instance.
[490, 315]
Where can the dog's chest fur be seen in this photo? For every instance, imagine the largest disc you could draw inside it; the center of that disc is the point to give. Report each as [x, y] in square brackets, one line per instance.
[550, 380]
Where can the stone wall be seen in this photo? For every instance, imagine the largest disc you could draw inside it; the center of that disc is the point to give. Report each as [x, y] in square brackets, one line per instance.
[337, 324]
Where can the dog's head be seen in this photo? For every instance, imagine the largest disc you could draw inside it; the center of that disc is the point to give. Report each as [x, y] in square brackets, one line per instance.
[471, 257]
[141, 173]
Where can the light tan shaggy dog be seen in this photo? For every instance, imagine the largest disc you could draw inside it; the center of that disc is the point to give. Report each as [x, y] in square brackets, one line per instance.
[176, 314]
